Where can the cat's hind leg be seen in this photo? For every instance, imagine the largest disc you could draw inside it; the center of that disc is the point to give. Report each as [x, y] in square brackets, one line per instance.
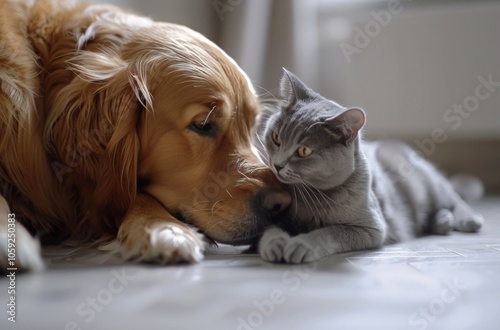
[442, 222]
[460, 217]
[466, 219]
[443, 199]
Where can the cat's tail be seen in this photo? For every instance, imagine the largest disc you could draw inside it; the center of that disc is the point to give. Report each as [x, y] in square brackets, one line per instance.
[468, 187]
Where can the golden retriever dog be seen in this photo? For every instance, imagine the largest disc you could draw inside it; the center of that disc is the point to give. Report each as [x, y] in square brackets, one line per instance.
[115, 128]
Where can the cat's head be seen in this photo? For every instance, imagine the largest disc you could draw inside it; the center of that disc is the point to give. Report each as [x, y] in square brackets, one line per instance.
[307, 139]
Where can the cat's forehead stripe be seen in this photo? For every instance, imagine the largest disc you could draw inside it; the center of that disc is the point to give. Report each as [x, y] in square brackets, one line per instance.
[295, 127]
[289, 128]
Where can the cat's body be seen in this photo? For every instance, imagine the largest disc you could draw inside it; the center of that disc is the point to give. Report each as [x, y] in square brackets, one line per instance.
[348, 194]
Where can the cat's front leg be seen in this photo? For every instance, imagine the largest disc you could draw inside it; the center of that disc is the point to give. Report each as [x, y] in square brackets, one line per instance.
[333, 239]
[272, 244]
[310, 247]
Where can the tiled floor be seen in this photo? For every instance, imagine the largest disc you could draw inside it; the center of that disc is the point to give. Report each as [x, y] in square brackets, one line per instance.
[449, 282]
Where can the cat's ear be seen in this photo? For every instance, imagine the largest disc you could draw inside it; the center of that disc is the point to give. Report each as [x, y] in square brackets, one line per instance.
[347, 124]
[292, 88]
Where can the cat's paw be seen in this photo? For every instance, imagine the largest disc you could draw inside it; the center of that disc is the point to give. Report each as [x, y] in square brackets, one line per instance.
[470, 223]
[466, 219]
[442, 223]
[272, 244]
[299, 250]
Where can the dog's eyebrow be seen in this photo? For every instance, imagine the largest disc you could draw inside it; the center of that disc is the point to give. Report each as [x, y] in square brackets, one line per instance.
[213, 106]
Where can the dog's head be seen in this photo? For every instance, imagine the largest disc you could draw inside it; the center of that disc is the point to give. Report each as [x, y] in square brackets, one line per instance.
[181, 112]
[195, 154]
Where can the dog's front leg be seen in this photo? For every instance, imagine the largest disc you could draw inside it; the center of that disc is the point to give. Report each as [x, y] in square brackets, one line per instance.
[18, 249]
[150, 233]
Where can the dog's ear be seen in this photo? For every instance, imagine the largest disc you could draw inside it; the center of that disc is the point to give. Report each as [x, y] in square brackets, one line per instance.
[108, 97]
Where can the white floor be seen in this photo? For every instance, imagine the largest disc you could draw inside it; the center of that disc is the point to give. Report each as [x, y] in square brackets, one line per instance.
[449, 282]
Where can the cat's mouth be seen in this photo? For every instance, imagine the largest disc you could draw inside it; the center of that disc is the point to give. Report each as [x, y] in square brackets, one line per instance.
[285, 179]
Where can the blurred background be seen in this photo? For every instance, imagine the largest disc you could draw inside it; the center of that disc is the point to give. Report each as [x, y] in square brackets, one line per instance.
[425, 71]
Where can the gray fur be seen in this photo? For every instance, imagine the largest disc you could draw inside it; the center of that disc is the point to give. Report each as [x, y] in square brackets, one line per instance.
[348, 194]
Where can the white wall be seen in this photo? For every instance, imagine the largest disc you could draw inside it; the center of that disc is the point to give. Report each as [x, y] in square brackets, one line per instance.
[199, 15]
[427, 58]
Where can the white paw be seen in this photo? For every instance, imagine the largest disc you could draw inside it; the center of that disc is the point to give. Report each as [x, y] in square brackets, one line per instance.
[164, 243]
[299, 251]
[443, 222]
[272, 244]
[466, 219]
[27, 255]
[470, 223]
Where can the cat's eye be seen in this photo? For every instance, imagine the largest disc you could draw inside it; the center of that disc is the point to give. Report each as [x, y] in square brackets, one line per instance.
[276, 138]
[304, 152]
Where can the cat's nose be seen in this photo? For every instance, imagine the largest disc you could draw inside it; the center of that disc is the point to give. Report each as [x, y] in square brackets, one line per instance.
[278, 168]
[274, 201]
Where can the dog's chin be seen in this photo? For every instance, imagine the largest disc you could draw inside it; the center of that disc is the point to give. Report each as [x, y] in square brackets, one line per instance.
[240, 238]
[241, 241]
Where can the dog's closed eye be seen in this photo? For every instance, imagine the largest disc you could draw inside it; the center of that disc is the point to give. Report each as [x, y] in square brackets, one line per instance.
[205, 128]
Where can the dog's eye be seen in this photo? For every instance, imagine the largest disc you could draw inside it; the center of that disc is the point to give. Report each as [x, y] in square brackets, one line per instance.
[204, 127]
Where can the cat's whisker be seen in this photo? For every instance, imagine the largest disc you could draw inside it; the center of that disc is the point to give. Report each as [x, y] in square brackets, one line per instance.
[325, 196]
[295, 198]
[310, 192]
[304, 197]
[319, 206]
[326, 199]
[301, 194]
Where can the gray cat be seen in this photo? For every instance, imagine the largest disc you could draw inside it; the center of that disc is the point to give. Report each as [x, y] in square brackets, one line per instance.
[348, 194]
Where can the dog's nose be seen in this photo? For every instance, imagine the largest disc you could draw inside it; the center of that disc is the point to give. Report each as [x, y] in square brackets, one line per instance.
[275, 201]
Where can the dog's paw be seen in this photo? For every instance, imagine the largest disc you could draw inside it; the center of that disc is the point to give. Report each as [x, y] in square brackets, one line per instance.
[272, 244]
[165, 243]
[21, 251]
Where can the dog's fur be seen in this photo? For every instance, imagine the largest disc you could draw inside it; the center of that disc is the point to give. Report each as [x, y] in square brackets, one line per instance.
[97, 141]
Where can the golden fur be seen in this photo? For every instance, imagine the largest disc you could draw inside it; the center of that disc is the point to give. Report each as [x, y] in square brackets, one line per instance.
[96, 133]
